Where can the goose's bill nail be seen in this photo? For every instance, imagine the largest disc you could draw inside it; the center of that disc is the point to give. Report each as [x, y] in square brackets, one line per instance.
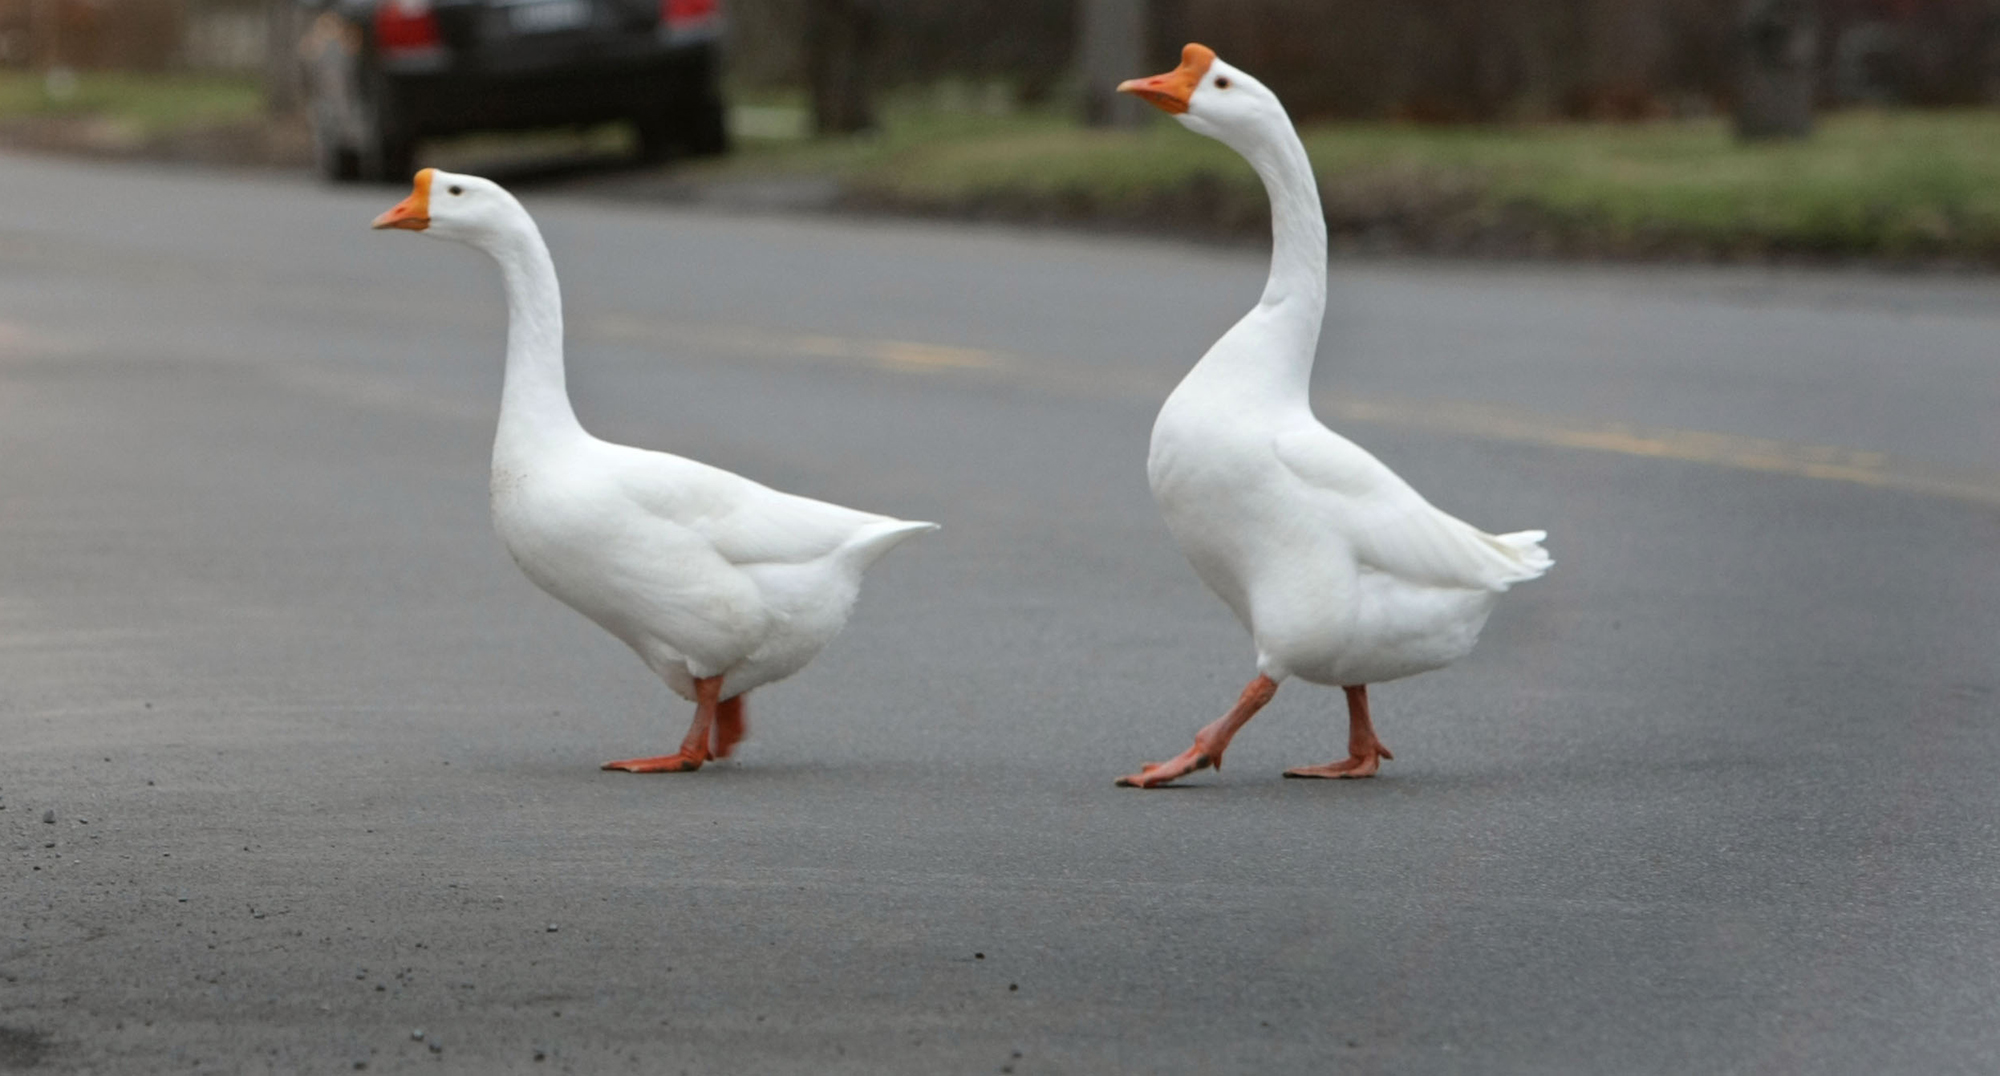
[412, 213]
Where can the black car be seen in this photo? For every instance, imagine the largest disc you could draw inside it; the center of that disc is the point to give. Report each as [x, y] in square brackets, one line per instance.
[381, 74]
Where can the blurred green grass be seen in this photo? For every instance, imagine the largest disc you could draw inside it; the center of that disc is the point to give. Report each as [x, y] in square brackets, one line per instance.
[1880, 184]
[1887, 184]
[144, 104]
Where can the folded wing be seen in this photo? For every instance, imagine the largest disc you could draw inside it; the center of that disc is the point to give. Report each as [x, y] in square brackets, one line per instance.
[1392, 529]
[746, 522]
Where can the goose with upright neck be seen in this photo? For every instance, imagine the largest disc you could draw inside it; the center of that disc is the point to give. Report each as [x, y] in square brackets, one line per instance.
[719, 584]
[1343, 574]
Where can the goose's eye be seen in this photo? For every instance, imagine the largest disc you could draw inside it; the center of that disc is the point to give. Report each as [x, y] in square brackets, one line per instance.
[1222, 82]
[458, 190]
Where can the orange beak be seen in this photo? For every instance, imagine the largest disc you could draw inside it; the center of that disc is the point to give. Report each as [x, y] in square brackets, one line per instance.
[414, 212]
[1170, 92]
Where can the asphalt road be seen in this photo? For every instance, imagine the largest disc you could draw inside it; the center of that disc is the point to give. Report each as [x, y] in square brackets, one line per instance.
[1717, 795]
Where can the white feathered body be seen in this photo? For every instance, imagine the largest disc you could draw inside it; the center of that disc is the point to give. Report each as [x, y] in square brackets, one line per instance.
[700, 571]
[1342, 572]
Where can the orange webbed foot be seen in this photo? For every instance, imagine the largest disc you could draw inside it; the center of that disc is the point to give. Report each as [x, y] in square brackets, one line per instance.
[711, 716]
[1155, 774]
[1209, 743]
[682, 762]
[1364, 764]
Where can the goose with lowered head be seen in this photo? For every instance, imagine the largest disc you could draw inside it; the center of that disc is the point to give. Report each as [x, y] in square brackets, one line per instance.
[1342, 573]
[718, 583]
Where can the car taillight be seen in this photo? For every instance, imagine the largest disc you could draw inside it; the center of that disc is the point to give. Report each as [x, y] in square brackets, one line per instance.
[406, 26]
[682, 15]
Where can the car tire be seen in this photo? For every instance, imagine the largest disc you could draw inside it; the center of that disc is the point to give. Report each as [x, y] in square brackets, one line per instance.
[333, 159]
[705, 128]
[656, 138]
[697, 129]
[392, 158]
[327, 106]
[388, 151]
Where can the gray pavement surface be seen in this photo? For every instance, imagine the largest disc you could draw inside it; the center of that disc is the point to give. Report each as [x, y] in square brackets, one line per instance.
[1716, 795]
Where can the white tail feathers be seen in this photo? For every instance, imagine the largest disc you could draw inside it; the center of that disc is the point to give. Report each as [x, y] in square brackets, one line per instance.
[876, 539]
[1526, 546]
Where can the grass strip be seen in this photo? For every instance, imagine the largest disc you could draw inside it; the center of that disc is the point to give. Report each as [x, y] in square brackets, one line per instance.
[1895, 185]
[145, 104]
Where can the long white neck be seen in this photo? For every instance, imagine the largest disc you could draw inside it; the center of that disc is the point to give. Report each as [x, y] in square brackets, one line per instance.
[1271, 350]
[1298, 225]
[534, 400]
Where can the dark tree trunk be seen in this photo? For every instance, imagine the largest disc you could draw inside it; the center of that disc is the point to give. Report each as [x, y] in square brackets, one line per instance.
[1112, 47]
[840, 64]
[1167, 28]
[1780, 47]
[283, 90]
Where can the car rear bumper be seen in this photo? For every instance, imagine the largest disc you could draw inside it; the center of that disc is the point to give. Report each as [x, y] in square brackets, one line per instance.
[500, 91]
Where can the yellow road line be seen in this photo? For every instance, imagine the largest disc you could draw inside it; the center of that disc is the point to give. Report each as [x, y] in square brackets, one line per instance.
[900, 355]
[1691, 446]
[1824, 462]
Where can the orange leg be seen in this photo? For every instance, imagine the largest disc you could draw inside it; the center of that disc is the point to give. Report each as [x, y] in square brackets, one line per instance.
[1209, 743]
[731, 725]
[694, 748]
[1364, 752]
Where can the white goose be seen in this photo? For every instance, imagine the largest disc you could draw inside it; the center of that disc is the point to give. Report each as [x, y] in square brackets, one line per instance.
[1342, 572]
[718, 583]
